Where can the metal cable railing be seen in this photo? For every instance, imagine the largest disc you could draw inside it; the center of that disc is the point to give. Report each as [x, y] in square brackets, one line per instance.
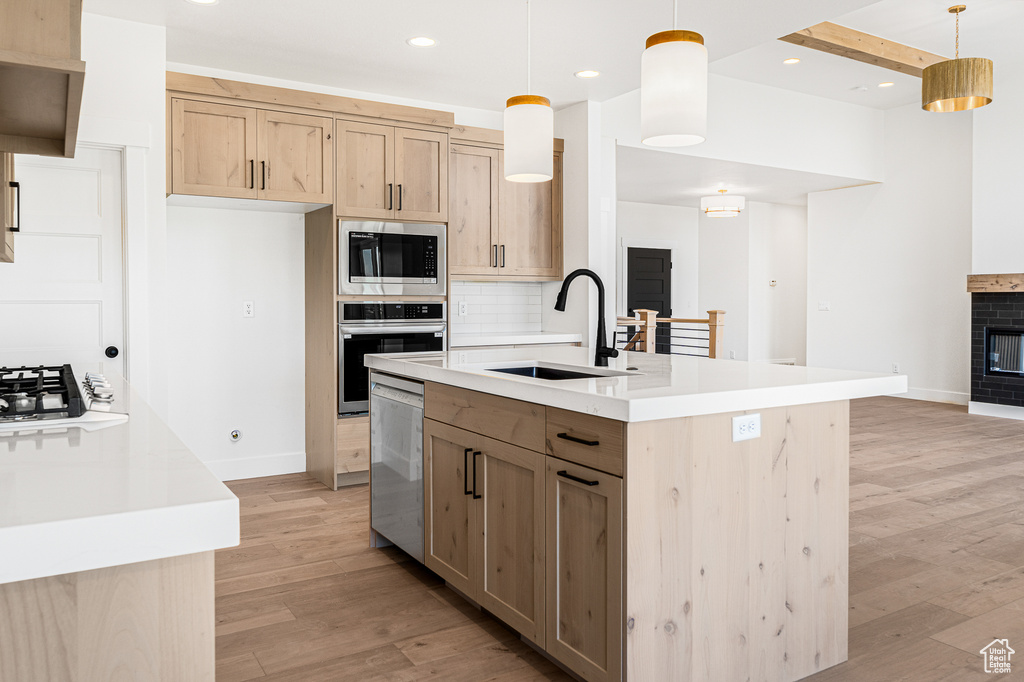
[670, 336]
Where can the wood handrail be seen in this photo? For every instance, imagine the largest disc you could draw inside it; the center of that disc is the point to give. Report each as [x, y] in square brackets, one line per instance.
[647, 322]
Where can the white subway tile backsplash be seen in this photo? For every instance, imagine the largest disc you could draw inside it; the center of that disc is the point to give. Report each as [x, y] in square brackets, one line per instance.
[496, 307]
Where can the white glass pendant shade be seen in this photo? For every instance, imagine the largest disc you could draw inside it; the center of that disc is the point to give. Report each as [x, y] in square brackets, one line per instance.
[723, 205]
[529, 139]
[674, 90]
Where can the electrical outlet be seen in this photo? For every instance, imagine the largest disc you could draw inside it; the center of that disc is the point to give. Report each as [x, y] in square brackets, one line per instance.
[248, 310]
[895, 368]
[732, 355]
[824, 306]
[463, 308]
[746, 427]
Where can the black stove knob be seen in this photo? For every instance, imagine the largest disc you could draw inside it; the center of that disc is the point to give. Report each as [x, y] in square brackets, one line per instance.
[111, 351]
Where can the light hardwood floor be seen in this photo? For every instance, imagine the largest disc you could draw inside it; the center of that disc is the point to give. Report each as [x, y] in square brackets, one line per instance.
[936, 570]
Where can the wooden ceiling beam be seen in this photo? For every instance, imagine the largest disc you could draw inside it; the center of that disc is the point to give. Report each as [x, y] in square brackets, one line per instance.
[863, 47]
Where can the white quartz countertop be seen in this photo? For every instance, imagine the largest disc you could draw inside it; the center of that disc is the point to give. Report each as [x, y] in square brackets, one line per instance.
[661, 386]
[513, 338]
[75, 500]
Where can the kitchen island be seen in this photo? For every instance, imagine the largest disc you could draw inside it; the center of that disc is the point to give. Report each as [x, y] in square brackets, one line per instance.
[106, 551]
[664, 518]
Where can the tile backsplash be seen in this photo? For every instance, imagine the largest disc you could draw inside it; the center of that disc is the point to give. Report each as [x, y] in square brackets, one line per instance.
[494, 307]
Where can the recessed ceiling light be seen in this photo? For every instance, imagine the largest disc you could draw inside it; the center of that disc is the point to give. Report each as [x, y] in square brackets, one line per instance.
[421, 41]
[587, 73]
[887, 84]
[204, 2]
[791, 60]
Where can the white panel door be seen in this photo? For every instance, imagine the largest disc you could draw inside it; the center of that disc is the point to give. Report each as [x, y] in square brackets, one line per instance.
[62, 299]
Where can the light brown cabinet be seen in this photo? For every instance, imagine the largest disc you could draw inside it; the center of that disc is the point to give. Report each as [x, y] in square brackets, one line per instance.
[500, 229]
[8, 197]
[389, 173]
[484, 503]
[584, 569]
[237, 152]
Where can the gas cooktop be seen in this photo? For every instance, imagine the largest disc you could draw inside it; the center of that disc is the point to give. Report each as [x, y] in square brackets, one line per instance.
[36, 393]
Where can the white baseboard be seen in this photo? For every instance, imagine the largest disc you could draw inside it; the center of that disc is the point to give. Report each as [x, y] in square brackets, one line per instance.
[255, 467]
[993, 410]
[935, 396]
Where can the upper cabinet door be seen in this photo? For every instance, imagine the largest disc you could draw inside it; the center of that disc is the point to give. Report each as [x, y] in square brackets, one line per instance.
[213, 149]
[421, 175]
[473, 211]
[366, 174]
[7, 199]
[295, 157]
[531, 226]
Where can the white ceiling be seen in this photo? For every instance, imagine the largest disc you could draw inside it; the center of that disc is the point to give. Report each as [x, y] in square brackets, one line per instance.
[480, 57]
[989, 28]
[659, 177]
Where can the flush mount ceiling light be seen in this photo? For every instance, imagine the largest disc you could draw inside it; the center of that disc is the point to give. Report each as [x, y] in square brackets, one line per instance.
[791, 60]
[723, 206]
[887, 84]
[204, 2]
[421, 41]
[529, 131]
[674, 88]
[586, 73]
[957, 84]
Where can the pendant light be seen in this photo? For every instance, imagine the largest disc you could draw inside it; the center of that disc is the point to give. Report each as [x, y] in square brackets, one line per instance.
[957, 84]
[529, 131]
[723, 206]
[674, 88]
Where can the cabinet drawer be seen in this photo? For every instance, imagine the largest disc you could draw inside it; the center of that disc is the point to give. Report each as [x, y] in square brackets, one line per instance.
[598, 441]
[353, 445]
[512, 421]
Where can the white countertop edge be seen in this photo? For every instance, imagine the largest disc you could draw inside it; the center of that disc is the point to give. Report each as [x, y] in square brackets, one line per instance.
[73, 545]
[652, 408]
[460, 340]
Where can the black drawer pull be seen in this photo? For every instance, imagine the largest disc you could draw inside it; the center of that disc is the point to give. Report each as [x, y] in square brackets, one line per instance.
[581, 441]
[475, 496]
[566, 474]
[17, 189]
[465, 471]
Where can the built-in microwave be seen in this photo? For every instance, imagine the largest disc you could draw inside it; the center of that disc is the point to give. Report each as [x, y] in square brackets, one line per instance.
[391, 259]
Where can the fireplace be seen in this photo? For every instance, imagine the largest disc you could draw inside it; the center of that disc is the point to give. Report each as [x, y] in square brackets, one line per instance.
[997, 340]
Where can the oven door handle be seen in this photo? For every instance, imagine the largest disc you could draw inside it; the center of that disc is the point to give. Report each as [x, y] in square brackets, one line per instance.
[403, 329]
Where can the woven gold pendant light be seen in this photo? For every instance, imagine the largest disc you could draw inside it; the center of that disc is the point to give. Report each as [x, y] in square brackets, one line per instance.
[957, 84]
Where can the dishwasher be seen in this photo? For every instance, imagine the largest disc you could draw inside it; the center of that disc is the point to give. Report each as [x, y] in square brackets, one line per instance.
[396, 461]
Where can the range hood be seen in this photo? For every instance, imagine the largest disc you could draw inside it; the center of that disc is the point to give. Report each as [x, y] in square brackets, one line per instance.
[41, 76]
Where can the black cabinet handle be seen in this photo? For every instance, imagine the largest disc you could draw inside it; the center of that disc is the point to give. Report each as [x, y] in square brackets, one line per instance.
[17, 190]
[391, 196]
[495, 255]
[475, 496]
[465, 471]
[252, 173]
[502, 255]
[399, 196]
[263, 174]
[581, 441]
[566, 474]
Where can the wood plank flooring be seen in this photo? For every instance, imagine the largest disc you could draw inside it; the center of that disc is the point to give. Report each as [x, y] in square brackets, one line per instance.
[936, 570]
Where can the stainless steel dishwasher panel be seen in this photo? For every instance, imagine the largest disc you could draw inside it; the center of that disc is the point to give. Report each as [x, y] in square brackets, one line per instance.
[396, 461]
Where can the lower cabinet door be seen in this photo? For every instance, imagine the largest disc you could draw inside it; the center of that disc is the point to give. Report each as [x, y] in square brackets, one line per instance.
[511, 524]
[449, 518]
[584, 569]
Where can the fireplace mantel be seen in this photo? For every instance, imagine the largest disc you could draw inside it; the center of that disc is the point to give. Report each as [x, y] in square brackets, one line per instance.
[995, 283]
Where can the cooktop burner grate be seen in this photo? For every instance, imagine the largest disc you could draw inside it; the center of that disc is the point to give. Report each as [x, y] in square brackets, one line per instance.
[39, 393]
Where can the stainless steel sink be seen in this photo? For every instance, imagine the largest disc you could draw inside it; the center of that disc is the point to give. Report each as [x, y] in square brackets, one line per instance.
[558, 373]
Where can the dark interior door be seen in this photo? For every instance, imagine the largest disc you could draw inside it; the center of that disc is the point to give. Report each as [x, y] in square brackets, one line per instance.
[649, 285]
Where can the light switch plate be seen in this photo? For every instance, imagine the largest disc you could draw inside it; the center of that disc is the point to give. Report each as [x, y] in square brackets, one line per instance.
[746, 427]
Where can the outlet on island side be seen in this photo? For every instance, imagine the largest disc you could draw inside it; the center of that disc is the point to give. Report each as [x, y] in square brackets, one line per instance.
[746, 427]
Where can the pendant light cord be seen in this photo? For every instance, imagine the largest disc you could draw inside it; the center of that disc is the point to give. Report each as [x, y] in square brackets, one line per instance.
[675, 15]
[529, 88]
[957, 35]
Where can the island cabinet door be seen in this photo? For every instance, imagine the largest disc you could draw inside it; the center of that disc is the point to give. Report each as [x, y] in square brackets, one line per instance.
[584, 570]
[449, 519]
[510, 481]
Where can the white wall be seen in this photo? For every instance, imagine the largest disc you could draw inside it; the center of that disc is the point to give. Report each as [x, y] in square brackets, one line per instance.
[998, 240]
[768, 126]
[892, 259]
[658, 226]
[723, 246]
[123, 105]
[229, 372]
[778, 251]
